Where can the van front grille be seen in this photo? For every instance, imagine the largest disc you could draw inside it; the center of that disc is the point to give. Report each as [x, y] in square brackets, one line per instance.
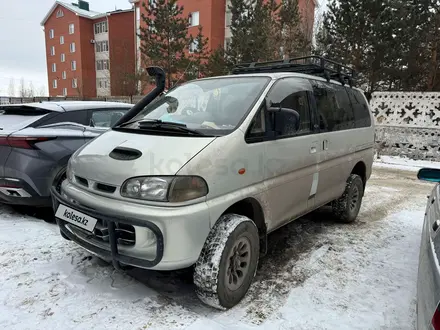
[82, 181]
[105, 188]
[125, 234]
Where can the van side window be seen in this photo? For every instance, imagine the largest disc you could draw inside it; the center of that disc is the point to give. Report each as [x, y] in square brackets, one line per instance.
[292, 93]
[344, 112]
[258, 125]
[334, 108]
[361, 112]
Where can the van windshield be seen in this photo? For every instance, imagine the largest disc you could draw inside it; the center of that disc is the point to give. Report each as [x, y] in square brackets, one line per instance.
[214, 106]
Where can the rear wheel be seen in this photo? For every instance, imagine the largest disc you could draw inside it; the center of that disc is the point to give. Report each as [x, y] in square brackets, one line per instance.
[347, 207]
[228, 262]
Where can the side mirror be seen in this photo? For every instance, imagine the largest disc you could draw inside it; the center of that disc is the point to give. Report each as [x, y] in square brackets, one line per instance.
[429, 174]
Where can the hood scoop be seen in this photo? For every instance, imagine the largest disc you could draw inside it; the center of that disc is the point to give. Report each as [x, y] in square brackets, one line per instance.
[121, 153]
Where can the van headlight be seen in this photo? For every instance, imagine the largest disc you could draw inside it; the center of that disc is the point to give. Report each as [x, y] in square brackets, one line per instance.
[165, 189]
[69, 173]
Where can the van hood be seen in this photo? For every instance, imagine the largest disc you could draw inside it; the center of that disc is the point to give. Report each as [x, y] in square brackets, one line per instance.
[156, 155]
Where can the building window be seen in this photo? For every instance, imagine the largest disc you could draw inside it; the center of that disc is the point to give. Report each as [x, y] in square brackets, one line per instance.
[152, 3]
[228, 18]
[194, 18]
[102, 65]
[74, 83]
[64, 91]
[72, 47]
[54, 67]
[60, 13]
[54, 83]
[63, 75]
[71, 28]
[103, 83]
[194, 46]
[63, 58]
[62, 40]
[73, 65]
[101, 27]
[51, 33]
[52, 50]
[102, 46]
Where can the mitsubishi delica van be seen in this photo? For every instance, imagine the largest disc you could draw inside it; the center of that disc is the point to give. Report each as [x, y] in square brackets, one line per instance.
[199, 176]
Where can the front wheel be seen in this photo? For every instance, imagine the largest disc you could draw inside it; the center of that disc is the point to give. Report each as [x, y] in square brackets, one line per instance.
[228, 262]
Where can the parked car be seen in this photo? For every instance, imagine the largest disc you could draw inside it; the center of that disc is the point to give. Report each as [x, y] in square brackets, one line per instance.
[37, 139]
[428, 282]
[201, 175]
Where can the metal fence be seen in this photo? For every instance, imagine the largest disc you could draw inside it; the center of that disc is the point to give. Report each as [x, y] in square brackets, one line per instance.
[407, 124]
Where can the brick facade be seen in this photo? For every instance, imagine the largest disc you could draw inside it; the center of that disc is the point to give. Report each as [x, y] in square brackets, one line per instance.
[89, 78]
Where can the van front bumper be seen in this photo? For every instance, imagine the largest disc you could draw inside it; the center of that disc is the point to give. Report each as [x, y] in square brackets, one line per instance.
[179, 232]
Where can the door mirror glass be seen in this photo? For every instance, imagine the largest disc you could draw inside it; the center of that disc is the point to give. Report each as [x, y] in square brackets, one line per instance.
[429, 174]
[287, 121]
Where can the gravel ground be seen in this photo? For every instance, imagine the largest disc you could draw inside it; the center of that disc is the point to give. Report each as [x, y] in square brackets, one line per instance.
[318, 274]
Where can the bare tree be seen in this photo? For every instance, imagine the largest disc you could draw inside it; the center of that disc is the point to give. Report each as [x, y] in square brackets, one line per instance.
[42, 91]
[11, 88]
[22, 88]
[30, 92]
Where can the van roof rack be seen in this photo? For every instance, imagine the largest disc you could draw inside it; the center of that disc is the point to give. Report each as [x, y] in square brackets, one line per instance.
[312, 65]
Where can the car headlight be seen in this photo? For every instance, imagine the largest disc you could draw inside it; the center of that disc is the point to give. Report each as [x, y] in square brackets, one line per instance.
[165, 189]
[69, 173]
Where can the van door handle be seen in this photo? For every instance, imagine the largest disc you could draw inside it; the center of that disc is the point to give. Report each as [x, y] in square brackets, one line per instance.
[325, 145]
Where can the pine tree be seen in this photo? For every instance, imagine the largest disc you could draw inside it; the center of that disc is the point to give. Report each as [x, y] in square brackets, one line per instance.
[217, 64]
[253, 26]
[165, 38]
[198, 57]
[240, 48]
[393, 44]
[292, 37]
[358, 33]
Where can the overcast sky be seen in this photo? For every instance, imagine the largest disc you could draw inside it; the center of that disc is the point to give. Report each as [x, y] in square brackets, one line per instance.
[22, 50]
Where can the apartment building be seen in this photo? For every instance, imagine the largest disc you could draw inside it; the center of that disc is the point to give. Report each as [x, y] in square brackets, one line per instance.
[215, 18]
[89, 53]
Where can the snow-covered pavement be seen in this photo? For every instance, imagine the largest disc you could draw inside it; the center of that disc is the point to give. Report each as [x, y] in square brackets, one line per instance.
[318, 274]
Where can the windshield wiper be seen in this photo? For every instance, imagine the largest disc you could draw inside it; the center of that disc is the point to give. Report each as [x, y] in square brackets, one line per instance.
[167, 125]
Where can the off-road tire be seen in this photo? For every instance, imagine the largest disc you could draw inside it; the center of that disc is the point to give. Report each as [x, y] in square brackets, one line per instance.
[211, 267]
[344, 208]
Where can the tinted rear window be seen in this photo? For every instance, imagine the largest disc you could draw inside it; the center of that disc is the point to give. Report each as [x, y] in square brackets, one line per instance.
[360, 107]
[79, 117]
[22, 111]
[334, 108]
[15, 118]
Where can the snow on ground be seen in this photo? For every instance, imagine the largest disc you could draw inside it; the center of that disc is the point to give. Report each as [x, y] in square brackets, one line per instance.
[406, 164]
[318, 274]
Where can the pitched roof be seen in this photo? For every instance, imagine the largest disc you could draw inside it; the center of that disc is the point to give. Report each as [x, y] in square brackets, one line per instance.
[78, 11]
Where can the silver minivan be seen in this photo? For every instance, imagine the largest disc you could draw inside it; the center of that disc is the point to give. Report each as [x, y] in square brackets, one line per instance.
[199, 176]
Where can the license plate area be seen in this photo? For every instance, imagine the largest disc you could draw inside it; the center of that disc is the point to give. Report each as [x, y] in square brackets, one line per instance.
[76, 218]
